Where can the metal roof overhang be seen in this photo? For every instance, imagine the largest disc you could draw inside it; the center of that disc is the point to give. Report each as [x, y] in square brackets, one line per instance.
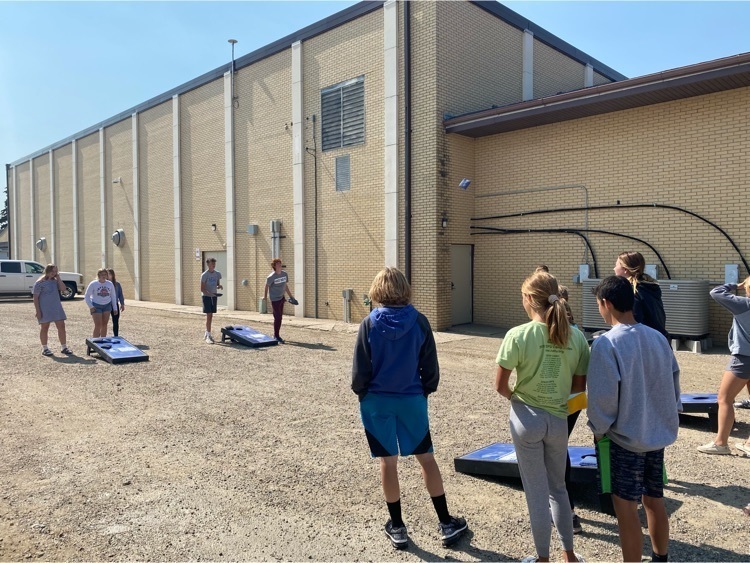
[676, 84]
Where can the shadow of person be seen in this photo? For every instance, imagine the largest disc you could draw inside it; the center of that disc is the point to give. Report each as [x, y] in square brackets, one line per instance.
[735, 496]
[464, 546]
[311, 346]
[73, 359]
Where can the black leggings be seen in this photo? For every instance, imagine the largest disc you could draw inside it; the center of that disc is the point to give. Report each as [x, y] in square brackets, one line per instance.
[572, 419]
[116, 332]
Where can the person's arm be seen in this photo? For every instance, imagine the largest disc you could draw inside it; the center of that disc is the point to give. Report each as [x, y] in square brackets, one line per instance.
[603, 388]
[89, 295]
[362, 362]
[113, 298]
[289, 293]
[218, 283]
[429, 368]
[579, 384]
[120, 297]
[725, 297]
[676, 379]
[60, 284]
[36, 305]
[265, 291]
[203, 286]
[502, 382]
[579, 374]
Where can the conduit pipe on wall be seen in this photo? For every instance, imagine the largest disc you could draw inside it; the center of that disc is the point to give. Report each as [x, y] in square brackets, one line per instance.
[501, 231]
[626, 206]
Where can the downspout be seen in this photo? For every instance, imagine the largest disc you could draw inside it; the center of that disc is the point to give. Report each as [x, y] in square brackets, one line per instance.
[407, 140]
[315, 213]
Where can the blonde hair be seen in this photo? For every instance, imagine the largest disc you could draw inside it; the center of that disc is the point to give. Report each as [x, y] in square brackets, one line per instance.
[102, 271]
[390, 288]
[539, 287]
[634, 264]
[47, 269]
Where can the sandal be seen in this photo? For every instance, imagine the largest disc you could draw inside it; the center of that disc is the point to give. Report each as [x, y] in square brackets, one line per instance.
[47, 352]
[66, 350]
[746, 510]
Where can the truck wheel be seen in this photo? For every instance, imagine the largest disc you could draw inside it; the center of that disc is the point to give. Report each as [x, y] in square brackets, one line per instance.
[70, 291]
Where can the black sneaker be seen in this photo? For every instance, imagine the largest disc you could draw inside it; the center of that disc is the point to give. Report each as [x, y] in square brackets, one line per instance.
[577, 529]
[452, 531]
[280, 340]
[398, 536]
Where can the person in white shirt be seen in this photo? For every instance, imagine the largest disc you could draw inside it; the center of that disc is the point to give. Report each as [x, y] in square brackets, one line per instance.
[101, 298]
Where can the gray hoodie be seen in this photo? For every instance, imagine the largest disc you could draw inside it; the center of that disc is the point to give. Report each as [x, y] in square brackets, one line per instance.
[739, 334]
[634, 388]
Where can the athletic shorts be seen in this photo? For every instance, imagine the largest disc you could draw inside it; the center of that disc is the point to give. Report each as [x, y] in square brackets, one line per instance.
[209, 304]
[739, 366]
[99, 309]
[396, 424]
[629, 475]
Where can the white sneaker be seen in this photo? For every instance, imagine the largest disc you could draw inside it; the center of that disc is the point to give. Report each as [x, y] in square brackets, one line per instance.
[712, 448]
[743, 404]
[210, 339]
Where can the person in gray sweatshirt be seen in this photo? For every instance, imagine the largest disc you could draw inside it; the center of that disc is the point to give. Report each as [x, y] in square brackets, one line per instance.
[737, 373]
[633, 406]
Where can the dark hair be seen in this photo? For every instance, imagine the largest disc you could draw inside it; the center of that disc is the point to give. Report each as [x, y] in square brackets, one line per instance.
[618, 291]
[111, 272]
[209, 260]
[541, 268]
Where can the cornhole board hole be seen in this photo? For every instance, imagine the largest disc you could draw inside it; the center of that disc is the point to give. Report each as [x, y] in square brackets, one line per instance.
[115, 350]
[702, 403]
[499, 460]
[247, 336]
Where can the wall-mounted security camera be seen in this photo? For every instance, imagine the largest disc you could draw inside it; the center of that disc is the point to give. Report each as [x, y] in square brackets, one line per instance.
[41, 244]
[118, 237]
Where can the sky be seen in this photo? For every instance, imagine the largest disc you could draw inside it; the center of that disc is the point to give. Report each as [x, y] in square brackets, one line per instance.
[65, 66]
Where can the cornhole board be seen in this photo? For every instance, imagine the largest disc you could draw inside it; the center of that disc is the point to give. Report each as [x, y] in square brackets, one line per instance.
[499, 460]
[115, 350]
[702, 403]
[247, 336]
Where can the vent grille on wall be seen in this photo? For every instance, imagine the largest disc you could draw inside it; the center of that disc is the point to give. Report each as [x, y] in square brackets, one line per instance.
[685, 304]
[343, 173]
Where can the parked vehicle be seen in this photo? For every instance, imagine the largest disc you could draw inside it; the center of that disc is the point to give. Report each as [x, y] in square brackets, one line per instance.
[17, 277]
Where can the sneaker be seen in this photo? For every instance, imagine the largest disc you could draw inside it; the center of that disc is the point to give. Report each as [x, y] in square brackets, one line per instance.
[577, 528]
[712, 448]
[743, 404]
[66, 350]
[46, 352]
[210, 339]
[398, 536]
[452, 531]
[744, 448]
[280, 340]
[579, 557]
[530, 559]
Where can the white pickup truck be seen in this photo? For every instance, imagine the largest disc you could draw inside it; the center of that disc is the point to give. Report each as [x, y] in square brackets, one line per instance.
[17, 277]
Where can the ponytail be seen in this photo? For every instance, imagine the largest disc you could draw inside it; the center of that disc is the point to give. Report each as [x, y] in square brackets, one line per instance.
[542, 289]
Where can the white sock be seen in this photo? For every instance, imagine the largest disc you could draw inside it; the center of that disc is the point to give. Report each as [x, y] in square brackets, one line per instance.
[44, 347]
[208, 333]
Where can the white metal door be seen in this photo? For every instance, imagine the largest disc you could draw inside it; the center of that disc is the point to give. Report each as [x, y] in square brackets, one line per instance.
[461, 284]
[221, 266]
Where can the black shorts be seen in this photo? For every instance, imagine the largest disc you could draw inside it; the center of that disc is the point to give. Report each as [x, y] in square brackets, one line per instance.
[635, 474]
[209, 304]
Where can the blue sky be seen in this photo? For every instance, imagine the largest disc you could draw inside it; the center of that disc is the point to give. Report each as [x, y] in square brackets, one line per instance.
[65, 66]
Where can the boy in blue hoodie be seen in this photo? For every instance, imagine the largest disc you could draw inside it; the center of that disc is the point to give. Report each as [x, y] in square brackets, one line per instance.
[395, 369]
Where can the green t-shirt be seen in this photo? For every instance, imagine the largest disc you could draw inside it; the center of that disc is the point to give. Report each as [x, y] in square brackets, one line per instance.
[544, 372]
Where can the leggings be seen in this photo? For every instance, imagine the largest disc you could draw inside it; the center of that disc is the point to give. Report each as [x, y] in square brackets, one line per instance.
[116, 325]
[541, 442]
[278, 313]
[572, 419]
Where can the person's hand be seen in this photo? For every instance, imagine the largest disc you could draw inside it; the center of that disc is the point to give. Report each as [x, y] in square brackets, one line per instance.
[115, 313]
[122, 308]
[92, 309]
[219, 286]
[39, 315]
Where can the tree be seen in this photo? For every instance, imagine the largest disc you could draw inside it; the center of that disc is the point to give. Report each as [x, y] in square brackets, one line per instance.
[4, 212]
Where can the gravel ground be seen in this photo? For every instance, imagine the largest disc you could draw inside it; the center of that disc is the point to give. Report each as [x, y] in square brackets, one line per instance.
[230, 453]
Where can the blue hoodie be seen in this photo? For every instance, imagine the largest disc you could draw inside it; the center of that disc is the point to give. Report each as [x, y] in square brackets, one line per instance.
[395, 354]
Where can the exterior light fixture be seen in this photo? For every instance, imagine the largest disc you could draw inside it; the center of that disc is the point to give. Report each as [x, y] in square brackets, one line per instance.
[118, 237]
[213, 226]
[444, 220]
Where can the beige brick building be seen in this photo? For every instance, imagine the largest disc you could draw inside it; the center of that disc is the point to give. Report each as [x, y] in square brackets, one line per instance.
[341, 147]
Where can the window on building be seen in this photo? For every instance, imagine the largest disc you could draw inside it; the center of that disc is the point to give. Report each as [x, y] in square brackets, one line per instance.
[343, 114]
[343, 173]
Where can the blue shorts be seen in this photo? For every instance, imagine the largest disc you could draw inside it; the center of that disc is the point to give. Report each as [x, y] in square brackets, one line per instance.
[396, 424]
[635, 474]
[209, 303]
[739, 366]
[99, 309]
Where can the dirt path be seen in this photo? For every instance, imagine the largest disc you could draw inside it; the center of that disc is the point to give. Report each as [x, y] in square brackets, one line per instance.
[229, 453]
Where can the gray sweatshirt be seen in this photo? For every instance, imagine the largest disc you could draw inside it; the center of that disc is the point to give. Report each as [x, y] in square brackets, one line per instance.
[739, 334]
[634, 388]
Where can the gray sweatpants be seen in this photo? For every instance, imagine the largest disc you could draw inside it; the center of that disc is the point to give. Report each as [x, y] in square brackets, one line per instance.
[541, 442]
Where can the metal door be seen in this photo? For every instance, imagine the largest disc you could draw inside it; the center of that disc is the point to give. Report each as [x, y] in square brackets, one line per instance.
[462, 289]
[221, 266]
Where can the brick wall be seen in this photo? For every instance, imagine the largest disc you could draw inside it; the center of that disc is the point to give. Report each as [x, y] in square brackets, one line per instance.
[263, 167]
[203, 181]
[63, 177]
[43, 225]
[555, 72]
[23, 230]
[689, 153]
[89, 206]
[118, 163]
[155, 177]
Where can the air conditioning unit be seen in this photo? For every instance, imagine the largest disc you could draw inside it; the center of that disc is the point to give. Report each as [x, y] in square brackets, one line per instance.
[685, 304]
